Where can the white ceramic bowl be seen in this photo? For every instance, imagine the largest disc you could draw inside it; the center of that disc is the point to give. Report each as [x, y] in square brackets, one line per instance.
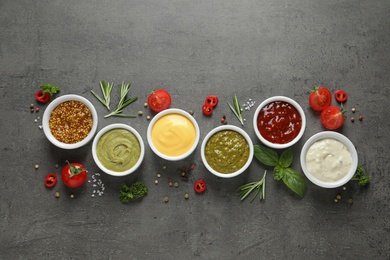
[293, 103]
[223, 128]
[112, 127]
[339, 137]
[53, 104]
[169, 132]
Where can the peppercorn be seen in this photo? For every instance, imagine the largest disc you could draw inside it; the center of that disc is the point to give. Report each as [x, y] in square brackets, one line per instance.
[140, 113]
[186, 196]
[166, 199]
[31, 105]
[36, 166]
[338, 196]
[336, 200]
[183, 174]
[353, 110]
[145, 104]
[360, 118]
[176, 184]
[158, 175]
[72, 195]
[148, 117]
[350, 201]
[170, 184]
[37, 109]
[191, 112]
[344, 188]
[352, 119]
[32, 110]
[57, 194]
[156, 182]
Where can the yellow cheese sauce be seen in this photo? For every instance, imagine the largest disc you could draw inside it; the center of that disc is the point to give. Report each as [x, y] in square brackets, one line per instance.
[173, 134]
[328, 160]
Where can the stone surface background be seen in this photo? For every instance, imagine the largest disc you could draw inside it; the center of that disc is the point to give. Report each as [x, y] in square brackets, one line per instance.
[252, 48]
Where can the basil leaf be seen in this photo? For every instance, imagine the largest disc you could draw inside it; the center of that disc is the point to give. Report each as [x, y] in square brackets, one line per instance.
[295, 181]
[286, 158]
[266, 155]
[279, 172]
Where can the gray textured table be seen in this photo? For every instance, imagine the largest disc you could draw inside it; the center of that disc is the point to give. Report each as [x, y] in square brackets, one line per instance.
[255, 49]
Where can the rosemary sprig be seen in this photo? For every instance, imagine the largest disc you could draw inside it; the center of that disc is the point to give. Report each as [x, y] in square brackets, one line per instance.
[123, 102]
[259, 187]
[106, 91]
[237, 109]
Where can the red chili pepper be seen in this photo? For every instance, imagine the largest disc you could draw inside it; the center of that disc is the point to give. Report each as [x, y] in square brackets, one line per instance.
[207, 109]
[200, 186]
[212, 100]
[50, 180]
[341, 96]
[42, 97]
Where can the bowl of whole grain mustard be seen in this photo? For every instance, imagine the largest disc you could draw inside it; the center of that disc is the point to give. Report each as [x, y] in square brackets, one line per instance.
[227, 151]
[70, 121]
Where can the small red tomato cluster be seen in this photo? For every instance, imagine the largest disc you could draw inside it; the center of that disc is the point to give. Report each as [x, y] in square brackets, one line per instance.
[320, 99]
[208, 106]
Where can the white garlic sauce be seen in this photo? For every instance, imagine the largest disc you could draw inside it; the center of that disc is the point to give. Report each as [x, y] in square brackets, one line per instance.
[328, 160]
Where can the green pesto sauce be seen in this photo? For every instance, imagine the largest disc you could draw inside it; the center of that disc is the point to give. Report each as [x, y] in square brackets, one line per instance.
[227, 151]
[118, 150]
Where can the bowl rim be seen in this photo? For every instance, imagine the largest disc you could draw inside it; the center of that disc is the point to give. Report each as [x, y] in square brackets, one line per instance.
[166, 112]
[232, 128]
[105, 130]
[290, 101]
[53, 104]
[333, 135]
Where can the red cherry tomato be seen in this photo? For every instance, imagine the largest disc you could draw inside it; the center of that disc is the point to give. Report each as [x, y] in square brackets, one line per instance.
[212, 100]
[200, 186]
[73, 175]
[42, 97]
[341, 96]
[207, 109]
[332, 117]
[159, 100]
[50, 180]
[320, 98]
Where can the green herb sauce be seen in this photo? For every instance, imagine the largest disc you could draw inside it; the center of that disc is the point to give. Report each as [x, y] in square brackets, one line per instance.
[118, 150]
[227, 151]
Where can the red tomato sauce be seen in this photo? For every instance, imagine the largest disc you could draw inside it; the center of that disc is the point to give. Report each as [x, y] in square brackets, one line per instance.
[279, 122]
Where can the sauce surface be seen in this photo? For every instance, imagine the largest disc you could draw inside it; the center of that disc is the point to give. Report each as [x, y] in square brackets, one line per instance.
[70, 122]
[328, 160]
[118, 150]
[279, 122]
[227, 151]
[173, 134]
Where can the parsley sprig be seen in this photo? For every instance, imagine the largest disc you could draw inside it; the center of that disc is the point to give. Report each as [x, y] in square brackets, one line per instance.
[361, 177]
[135, 191]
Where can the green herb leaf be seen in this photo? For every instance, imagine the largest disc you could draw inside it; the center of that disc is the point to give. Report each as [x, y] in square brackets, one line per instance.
[136, 191]
[295, 181]
[50, 89]
[266, 155]
[279, 172]
[286, 158]
[123, 102]
[106, 89]
[237, 109]
[361, 177]
[258, 187]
